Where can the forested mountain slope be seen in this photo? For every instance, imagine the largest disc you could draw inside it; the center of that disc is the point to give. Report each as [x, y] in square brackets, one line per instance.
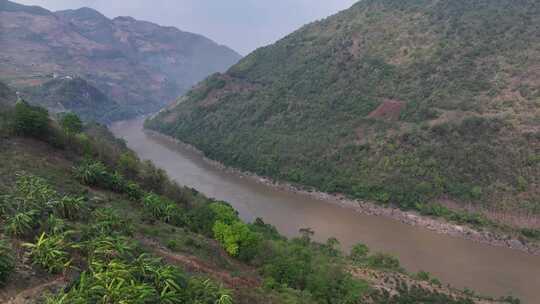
[74, 94]
[138, 64]
[409, 102]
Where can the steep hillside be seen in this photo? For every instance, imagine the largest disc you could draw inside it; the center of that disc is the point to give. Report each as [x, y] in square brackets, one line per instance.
[7, 96]
[83, 220]
[409, 102]
[68, 94]
[138, 64]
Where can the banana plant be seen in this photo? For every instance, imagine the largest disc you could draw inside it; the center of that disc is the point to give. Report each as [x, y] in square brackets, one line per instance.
[69, 207]
[50, 253]
[107, 248]
[55, 225]
[21, 223]
[34, 192]
[154, 205]
[91, 173]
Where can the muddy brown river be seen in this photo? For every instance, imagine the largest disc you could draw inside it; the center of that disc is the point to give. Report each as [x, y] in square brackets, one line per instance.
[488, 270]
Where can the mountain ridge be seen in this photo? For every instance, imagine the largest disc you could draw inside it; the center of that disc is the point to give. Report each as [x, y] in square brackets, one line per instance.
[74, 94]
[140, 65]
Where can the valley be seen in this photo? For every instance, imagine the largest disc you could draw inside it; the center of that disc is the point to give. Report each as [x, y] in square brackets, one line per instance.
[85, 220]
[385, 152]
[458, 262]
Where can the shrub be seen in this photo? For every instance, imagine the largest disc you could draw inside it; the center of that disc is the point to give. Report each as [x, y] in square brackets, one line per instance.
[531, 233]
[128, 164]
[224, 212]
[7, 261]
[134, 191]
[152, 178]
[201, 219]
[476, 192]
[83, 144]
[359, 253]
[383, 261]
[71, 123]
[50, 253]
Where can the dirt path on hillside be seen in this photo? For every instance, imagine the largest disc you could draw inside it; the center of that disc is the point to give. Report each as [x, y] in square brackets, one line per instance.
[196, 265]
[33, 293]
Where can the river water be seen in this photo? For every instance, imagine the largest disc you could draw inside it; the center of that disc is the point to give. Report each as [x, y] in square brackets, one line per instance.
[488, 270]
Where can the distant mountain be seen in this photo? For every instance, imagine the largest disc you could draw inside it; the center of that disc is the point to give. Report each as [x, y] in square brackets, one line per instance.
[68, 94]
[138, 64]
[411, 102]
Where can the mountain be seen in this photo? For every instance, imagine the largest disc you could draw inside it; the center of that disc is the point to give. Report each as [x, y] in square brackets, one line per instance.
[428, 104]
[140, 65]
[68, 94]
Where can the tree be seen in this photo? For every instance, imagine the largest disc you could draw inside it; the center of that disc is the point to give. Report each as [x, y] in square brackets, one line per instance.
[237, 239]
[128, 164]
[235, 236]
[71, 123]
[31, 121]
[359, 252]
[332, 246]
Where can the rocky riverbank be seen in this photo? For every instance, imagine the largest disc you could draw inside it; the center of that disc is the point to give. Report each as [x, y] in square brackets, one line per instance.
[438, 225]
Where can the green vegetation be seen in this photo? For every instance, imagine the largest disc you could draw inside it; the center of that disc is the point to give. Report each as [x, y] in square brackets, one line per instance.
[400, 102]
[78, 97]
[71, 123]
[31, 121]
[7, 261]
[50, 252]
[116, 79]
[119, 274]
[117, 229]
[235, 236]
[244, 241]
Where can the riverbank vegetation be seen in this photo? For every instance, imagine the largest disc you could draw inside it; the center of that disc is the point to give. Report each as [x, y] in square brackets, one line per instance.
[85, 221]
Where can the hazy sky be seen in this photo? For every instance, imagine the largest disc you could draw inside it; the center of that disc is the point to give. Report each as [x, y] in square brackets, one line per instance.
[240, 24]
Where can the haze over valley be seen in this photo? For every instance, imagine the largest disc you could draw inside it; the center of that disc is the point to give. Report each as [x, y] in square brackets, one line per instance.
[326, 152]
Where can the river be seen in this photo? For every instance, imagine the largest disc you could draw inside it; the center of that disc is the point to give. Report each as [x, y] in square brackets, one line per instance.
[493, 271]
